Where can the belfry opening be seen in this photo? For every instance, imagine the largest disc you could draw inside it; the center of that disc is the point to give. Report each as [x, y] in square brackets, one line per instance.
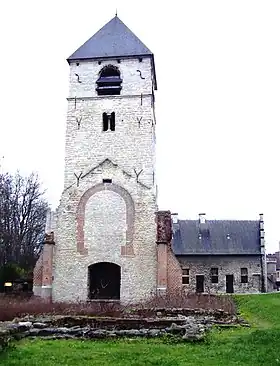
[104, 281]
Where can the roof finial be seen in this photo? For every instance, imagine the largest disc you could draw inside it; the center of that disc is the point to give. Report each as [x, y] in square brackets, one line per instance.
[116, 13]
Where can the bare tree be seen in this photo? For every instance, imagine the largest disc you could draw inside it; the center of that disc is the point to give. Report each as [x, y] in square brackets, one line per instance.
[22, 219]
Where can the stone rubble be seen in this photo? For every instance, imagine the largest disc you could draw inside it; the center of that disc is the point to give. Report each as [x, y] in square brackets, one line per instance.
[187, 328]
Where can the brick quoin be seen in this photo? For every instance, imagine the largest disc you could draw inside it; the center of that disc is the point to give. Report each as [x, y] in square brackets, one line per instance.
[169, 273]
[174, 273]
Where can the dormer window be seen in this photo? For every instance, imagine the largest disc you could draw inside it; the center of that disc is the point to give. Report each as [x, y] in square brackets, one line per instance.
[109, 81]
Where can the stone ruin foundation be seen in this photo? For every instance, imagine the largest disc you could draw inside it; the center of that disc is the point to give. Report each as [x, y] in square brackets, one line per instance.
[184, 324]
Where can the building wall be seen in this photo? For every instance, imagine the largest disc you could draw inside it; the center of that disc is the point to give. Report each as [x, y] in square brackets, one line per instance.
[37, 276]
[201, 265]
[174, 273]
[132, 144]
[107, 233]
[132, 84]
[271, 267]
[108, 222]
[105, 223]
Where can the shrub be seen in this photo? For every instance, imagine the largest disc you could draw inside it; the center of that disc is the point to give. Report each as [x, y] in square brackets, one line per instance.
[5, 343]
[14, 307]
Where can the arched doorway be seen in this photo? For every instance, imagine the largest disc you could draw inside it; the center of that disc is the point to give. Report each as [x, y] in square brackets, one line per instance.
[104, 281]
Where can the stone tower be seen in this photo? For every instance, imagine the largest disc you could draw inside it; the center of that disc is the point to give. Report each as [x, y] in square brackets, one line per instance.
[105, 230]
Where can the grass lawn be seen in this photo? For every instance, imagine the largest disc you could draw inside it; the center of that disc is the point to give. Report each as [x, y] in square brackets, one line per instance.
[259, 345]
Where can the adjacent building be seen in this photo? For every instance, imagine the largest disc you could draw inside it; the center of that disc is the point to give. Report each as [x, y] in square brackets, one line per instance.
[273, 270]
[220, 255]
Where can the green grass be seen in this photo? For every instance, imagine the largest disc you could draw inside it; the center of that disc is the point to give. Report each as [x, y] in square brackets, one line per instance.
[258, 345]
[262, 311]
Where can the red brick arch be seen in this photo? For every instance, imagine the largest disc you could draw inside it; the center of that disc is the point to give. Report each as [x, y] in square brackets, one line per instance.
[130, 216]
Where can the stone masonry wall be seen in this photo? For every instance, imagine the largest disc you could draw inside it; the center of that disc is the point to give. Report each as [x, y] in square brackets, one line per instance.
[201, 265]
[108, 222]
[101, 241]
[132, 144]
[132, 83]
[105, 223]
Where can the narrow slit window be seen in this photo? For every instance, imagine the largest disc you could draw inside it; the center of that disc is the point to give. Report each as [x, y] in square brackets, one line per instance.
[105, 122]
[109, 123]
[185, 276]
[214, 273]
[244, 275]
[112, 121]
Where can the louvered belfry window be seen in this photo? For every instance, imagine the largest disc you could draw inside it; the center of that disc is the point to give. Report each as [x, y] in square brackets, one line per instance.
[109, 81]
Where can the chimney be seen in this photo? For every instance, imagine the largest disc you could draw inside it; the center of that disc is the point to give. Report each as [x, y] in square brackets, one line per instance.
[202, 218]
[174, 217]
[164, 227]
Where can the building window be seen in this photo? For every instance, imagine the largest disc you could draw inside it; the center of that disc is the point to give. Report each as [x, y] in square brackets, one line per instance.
[185, 276]
[109, 121]
[214, 275]
[244, 275]
[109, 81]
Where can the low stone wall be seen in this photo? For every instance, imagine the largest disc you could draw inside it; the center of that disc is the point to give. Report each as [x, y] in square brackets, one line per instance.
[167, 322]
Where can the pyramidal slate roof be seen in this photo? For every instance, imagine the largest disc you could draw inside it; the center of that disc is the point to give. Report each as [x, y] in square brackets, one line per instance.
[115, 39]
[216, 237]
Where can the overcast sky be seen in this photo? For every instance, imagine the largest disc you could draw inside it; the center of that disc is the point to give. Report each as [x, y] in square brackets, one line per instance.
[217, 105]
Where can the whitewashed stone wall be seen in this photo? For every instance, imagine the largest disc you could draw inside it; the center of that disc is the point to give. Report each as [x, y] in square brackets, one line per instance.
[138, 272]
[105, 224]
[98, 155]
[132, 84]
[130, 146]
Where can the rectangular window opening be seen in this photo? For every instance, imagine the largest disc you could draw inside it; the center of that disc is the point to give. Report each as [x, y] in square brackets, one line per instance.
[109, 123]
[105, 121]
[112, 121]
[107, 180]
[185, 276]
[214, 273]
[244, 275]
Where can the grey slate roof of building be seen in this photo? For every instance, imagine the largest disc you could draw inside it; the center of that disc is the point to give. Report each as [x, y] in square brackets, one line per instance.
[211, 238]
[115, 39]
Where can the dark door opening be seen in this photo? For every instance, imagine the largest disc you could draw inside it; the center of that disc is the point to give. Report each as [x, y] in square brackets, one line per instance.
[104, 281]
[229, 284]
[199, 283]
